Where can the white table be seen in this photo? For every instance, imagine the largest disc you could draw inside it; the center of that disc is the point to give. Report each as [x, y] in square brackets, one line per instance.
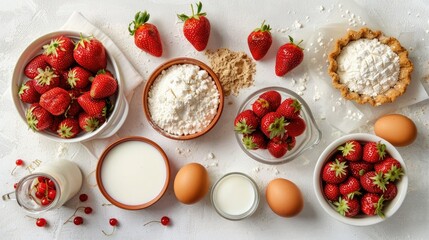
[23, 21]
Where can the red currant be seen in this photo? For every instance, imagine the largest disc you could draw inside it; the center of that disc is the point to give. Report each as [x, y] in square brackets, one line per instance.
[45, 201]
[51, 194]
[78, 220]
[83, 197]
[88, 210]
[165, 220]
[51, 184]
[41, 179]
[19, 162]
[15, 185]
[39, 195]
[113, 221]
[41, 187]
[41, 222]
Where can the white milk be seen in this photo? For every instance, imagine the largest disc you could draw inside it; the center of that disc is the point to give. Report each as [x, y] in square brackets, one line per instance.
[235, 196]
[134, 173]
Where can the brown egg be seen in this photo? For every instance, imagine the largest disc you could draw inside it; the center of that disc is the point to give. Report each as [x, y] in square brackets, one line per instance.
[191, 183]
[284, 197]
[397, 129]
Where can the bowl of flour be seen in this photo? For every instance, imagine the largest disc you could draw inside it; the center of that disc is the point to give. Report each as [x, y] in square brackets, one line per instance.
[183, 99]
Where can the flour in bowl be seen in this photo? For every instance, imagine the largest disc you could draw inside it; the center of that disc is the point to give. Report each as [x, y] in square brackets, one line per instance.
[183, 100]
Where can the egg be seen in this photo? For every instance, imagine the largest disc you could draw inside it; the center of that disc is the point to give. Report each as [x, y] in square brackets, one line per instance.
[191, 183]
[284, 197]
[397, 129]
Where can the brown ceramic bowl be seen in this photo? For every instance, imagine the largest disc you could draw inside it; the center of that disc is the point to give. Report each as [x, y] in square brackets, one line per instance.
[128, 175]
[153, 77]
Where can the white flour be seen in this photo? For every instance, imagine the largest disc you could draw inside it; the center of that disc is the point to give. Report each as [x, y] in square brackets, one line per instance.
[183, 100]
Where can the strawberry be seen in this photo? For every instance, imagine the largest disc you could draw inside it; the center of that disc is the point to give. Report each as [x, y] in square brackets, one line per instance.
[273, 125]
[335, 172]
[103, 86]
[277, 148]
[331, 192]
[68, 128]
[371, 204]
[391, 168]
[31, 69]
[259, 41]
[78, 77]
[359, 168]
[88, 123]
[289, 56]
[255, 140]
[274, 99]
[38, 118]
[352, 150]
[90, 54]
[56, 101]
[290, 108]
[59, 53]
[46, 80]
[374, 152]
[55, 123]
[295, 127]
[27, 93]
[373, 182]
[291, 142]
[73, 110]
[104, 71]
[196, 28]
[94, 107]
[246, 122]
[350, 187]
[146, 35]
[339, 157]
[261, 107]
[348, 207]
[391, 192]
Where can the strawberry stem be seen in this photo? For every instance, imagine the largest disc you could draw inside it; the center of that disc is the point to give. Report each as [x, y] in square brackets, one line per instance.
[139, 19]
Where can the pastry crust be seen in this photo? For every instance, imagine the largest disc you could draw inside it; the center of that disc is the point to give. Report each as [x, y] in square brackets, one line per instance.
[404, 78]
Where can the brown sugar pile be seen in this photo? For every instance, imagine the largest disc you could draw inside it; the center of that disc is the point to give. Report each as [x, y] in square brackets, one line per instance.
[234, 69]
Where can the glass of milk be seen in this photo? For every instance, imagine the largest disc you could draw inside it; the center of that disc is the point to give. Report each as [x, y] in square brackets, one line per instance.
[65, 175]
[235, 196]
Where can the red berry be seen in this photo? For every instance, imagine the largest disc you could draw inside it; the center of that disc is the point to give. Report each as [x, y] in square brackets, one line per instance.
[113, 222]
[39, 195]
[19, 162]
[332, 192]
[41, 179]
[52, 194]
[41, 187]
[78, 220]
[88, 210]
[15, 185]
[51, 184]
[83, 197]
[41, 222]
[165, 220]
[45, 201]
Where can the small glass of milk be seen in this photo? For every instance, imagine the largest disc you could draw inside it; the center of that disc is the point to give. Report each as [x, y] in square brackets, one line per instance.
[235, 196]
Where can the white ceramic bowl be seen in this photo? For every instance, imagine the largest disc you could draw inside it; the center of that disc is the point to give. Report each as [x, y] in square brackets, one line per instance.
[361, 220]
[115, 120]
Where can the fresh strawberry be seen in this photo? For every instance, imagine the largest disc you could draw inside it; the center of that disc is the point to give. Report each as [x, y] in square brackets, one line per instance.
[56, 101]
[352, 150]
[38, 118]
[90, 54]
[273, 125]
[291, 142]
[374, 152]
[196, 28]
[27, 93]
[68, 128]
[350, 187]
[295, 127]
[373, 182]
[391, 168]
[359, 168]
[94, 107]
[277, 148]
[372, 203]
[88, 123]
[246, 122]
[255, 140]
[261, 107]
[59, 53]
[289, 56]
[391, 192]
[348, 207]
[46, 80]
[290, 108]
[335, 172]
[259, 41]
[146, 35]
[331, 192]
[78, 77]
[31, 70]
[103, 86]
[104, 71]
[55, 123]
[274, 99]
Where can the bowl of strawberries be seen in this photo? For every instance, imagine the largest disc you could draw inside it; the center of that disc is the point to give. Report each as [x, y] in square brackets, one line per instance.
[275, 125]
[360, 179]
[68, 88]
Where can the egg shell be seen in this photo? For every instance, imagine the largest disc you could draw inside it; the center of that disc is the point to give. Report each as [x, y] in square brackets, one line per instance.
[284, 197]
[191, 183]
[397, 129]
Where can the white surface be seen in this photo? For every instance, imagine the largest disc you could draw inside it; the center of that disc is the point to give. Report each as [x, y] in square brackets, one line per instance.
[231, 21]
